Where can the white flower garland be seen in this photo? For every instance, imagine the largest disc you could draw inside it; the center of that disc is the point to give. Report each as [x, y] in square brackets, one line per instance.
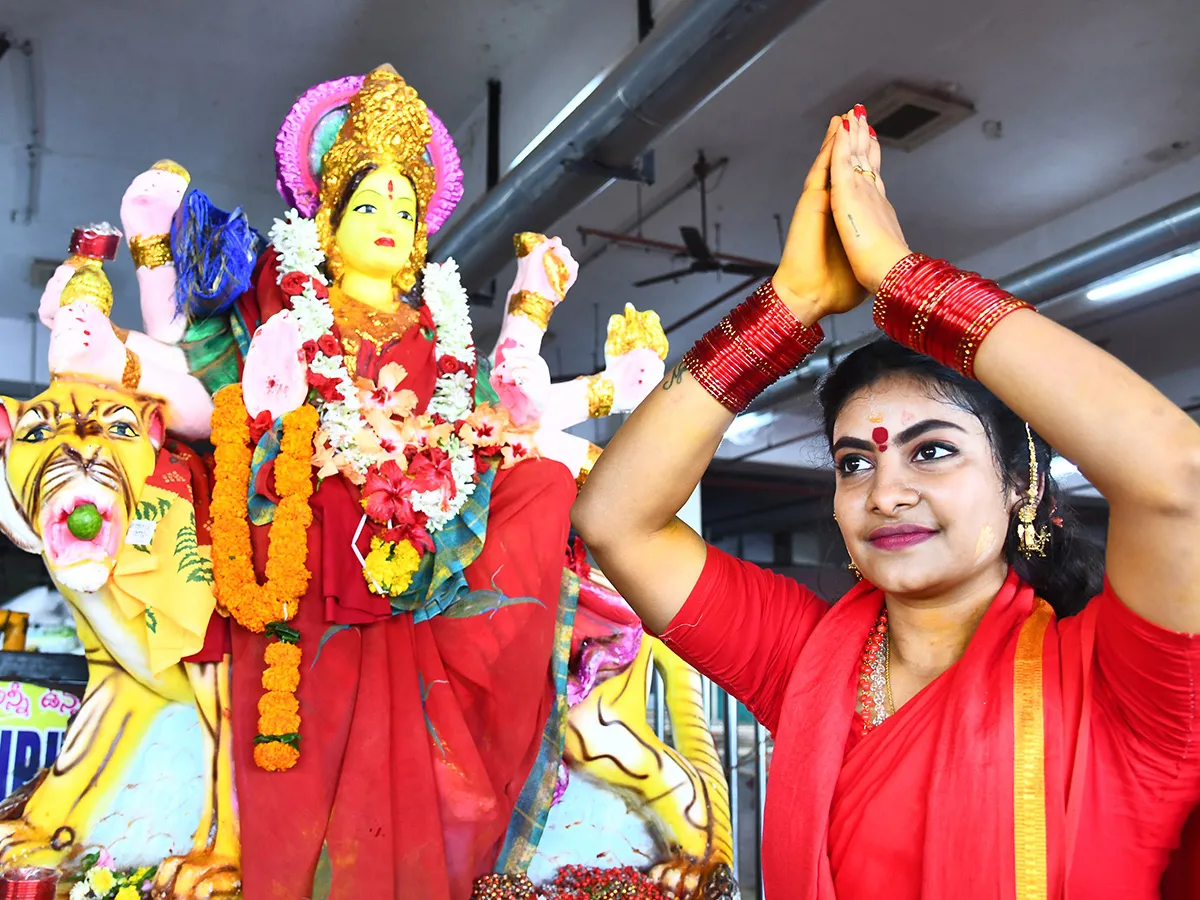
[296, 241]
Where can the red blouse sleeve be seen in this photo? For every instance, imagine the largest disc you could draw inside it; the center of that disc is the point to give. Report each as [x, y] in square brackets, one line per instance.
[743, 627]
[1148, 688]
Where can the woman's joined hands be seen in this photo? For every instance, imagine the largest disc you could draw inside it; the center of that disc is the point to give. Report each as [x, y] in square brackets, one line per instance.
[844, 234]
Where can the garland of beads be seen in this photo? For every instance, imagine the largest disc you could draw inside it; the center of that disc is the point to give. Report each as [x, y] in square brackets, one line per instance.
[572, 883]
[873, 688]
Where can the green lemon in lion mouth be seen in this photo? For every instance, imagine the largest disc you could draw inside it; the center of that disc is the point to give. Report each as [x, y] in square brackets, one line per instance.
[85, 522]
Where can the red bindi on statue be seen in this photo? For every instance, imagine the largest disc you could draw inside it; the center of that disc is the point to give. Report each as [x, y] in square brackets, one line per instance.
[391, 189]
[880, 437]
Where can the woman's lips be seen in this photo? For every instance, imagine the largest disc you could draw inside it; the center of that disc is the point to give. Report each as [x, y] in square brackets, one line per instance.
[897, 537]
[385, 242]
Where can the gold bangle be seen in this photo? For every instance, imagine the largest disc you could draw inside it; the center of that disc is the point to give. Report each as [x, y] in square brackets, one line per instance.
[589, 461]
[533, 306]
[600, 393]
[151, 251]
[132, 376]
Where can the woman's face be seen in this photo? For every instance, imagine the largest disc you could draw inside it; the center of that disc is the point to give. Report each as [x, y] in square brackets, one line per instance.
[375, 236]
[919, 499]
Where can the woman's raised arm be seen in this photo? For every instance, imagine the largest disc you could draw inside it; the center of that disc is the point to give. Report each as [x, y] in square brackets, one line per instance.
[626, 512]
[1137, 447]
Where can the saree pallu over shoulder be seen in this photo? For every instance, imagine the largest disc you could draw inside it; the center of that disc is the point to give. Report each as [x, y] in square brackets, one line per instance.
[962, 793]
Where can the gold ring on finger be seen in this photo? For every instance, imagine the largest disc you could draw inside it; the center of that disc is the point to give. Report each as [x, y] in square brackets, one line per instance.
[863, 170]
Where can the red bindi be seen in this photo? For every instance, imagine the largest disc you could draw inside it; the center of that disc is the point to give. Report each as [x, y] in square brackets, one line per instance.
[391, 188]
[880, 437]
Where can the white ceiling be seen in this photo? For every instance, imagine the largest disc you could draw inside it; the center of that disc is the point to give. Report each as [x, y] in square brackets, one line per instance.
[1089, 92]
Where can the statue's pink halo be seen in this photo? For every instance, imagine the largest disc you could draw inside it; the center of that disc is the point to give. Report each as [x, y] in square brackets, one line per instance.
[298, 176]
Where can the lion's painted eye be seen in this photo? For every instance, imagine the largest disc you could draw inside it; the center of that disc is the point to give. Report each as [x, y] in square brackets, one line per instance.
[123, 430]
[36, 435]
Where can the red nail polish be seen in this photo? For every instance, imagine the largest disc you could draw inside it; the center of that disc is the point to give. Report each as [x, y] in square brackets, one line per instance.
[846, 124]
[871, 128]
[860, 110]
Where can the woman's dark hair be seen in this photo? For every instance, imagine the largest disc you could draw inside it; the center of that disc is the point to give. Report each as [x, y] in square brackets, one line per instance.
[1072, 570]
[413, 297]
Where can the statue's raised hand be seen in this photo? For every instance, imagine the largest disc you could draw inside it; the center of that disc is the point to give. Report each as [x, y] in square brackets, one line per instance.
[48, 306]
[151, 200]
[870, 233]
[83, 345]
[634, 375]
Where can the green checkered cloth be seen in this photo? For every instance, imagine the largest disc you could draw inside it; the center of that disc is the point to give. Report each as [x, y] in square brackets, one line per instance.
[533, 806]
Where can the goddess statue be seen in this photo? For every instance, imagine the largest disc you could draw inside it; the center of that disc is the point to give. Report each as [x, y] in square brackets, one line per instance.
[409, 603]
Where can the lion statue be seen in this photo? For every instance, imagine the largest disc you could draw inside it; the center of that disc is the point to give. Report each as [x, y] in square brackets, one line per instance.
[118, 512]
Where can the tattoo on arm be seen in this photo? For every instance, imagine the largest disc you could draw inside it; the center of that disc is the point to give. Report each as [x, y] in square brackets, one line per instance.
[676, 377]
[852, 225]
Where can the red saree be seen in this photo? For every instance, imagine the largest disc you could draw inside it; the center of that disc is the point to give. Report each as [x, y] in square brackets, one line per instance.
[1054, 759]
[416, 738]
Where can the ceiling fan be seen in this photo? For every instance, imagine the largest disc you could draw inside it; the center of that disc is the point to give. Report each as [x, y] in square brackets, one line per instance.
[695, 244]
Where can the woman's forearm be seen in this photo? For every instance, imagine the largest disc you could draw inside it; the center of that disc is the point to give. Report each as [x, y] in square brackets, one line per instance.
[626, 512]
[1132, 443]
[653, 463]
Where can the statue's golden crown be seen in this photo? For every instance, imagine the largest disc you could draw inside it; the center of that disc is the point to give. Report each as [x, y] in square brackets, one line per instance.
[387, 125]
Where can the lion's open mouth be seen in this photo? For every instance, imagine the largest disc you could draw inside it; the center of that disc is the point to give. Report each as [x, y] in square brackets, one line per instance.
[61, 546]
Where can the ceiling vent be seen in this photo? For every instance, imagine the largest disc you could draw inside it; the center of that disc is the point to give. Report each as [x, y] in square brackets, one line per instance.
[907, 117]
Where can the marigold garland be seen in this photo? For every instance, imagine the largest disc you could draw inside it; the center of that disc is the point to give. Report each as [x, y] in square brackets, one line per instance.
[275, 757]
[256, 606]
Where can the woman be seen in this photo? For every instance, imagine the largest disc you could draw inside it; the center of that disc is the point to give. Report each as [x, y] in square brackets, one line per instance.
[427, 609]
[944, 730]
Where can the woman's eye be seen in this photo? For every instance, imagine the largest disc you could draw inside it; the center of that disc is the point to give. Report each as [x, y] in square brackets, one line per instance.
[367, 209]
[405, 215]
[852, 464]
[930, 452]
[121, 429]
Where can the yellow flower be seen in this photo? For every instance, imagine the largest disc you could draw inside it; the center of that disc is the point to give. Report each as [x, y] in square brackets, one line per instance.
[391, 566]
[101, 880]
[129, 892]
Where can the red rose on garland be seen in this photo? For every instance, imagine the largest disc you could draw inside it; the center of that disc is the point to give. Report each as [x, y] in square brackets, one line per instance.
[328, 388]
[294, 283]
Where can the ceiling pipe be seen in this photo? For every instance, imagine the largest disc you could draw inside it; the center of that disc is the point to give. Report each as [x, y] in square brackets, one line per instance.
[688, 57]
[1140, 241]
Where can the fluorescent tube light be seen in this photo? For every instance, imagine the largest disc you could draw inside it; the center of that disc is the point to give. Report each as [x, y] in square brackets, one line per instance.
[1148, 278]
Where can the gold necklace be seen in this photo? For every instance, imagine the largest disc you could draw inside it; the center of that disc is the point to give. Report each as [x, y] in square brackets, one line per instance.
[887, 672]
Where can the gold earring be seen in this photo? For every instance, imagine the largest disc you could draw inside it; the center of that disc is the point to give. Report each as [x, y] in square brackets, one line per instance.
[1031, 540]
[853, 568]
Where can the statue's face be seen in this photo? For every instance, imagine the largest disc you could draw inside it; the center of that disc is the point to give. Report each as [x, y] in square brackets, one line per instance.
[78, 443]
[375, 236]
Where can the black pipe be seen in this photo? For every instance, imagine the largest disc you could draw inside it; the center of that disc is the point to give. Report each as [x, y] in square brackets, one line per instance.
[690, 55]
[645, 19]
[493, 133]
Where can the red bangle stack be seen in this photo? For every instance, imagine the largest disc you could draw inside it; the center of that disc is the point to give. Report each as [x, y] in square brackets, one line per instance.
[933, 308]
[754, 346]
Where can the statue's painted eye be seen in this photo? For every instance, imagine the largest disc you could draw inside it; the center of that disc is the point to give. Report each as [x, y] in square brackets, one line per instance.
[37, 434]
[123, 429]
[367, 209]
[406, 215]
